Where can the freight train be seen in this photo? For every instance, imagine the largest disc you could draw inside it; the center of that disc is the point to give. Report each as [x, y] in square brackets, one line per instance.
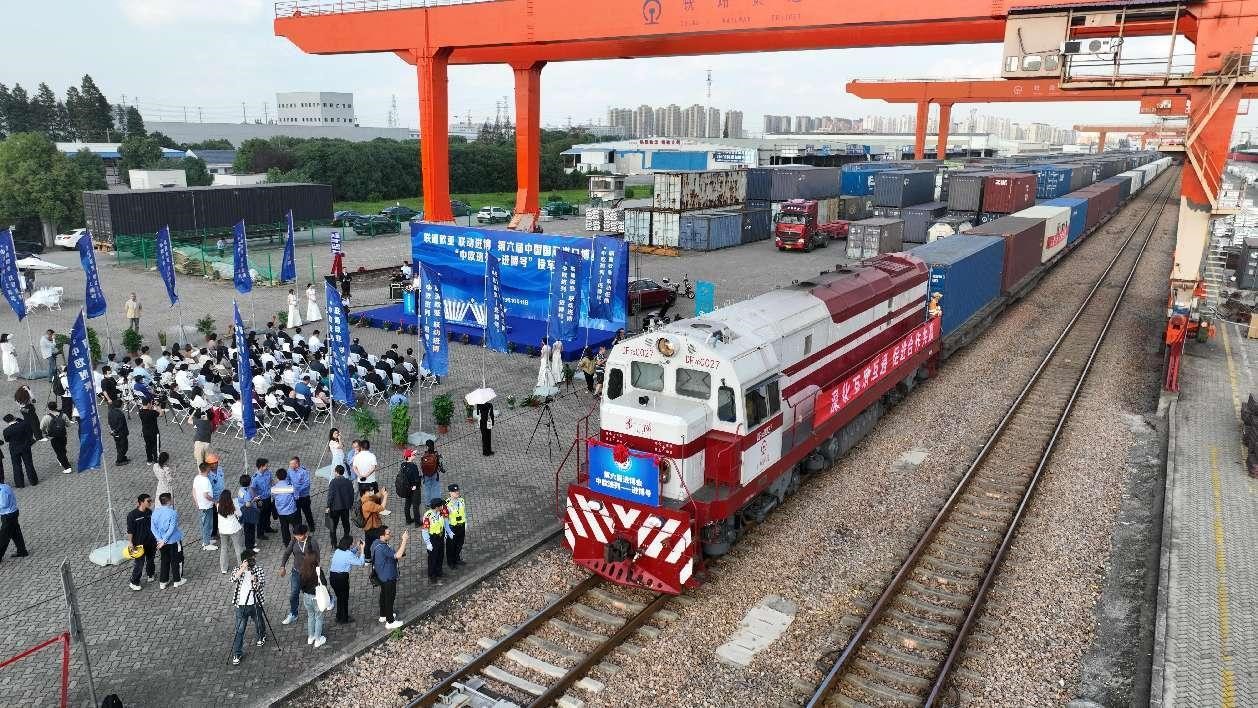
[707, 424]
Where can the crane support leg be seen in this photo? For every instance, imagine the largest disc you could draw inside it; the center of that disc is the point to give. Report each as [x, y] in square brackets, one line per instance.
[1101, 137]
[528, 135]
[945, 124]
[434, 132]
[919, 137]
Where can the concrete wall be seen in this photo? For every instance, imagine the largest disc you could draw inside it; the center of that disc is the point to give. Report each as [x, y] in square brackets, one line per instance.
[237, 133]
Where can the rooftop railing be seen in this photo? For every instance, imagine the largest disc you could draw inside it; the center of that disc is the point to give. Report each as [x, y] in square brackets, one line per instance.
[300, 8]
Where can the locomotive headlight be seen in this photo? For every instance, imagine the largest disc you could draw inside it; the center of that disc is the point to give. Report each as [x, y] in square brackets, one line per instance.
[665, 346]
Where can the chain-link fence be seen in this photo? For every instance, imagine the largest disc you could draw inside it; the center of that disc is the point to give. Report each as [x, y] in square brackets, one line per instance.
[208, 252]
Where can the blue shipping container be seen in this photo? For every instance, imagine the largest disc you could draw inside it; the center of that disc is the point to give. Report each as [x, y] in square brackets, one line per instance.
[1078, 215]
[1051, 181]
[709, 231]
[757, 224]
[857, 178]
[759, 185]
[1124, 186]
[966, 270]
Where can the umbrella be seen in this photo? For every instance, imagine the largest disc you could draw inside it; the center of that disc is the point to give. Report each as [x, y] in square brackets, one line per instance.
[479, 396]
[36, 263]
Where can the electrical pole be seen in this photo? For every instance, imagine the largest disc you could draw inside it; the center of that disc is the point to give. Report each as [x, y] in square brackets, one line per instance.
[707, 109]
[244, 114]
[185, 114]
[199, 118]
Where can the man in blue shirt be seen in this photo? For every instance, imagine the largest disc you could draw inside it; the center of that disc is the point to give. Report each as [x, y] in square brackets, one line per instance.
[384, 561]
[284, 498]
[10, 530]
[349, 553]
[216, 484]
[261, 488]
[165, 524]
[303, 387]
[299, 476]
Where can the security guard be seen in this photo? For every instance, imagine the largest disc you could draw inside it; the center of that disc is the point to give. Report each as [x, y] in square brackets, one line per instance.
[456, 506]
[435, 531]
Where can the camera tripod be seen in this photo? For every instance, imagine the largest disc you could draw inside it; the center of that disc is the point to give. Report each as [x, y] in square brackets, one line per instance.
[269, 631]
[545, 417]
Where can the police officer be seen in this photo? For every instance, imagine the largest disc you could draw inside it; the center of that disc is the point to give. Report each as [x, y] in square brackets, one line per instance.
[435, 530]
[456, 507]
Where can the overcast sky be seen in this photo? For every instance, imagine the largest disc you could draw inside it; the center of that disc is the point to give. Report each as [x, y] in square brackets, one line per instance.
[167, 55]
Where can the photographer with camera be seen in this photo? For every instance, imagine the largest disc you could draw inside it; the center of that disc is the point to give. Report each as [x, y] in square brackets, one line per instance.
[249, 582]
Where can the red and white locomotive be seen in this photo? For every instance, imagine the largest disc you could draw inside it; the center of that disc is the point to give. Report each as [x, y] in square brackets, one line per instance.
[709, 423]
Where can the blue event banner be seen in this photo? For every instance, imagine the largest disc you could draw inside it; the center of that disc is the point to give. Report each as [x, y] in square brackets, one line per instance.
[610, 267]
[432, 315]
[241, 276]
[565, 296]
[338, 345]
[95, 296]
[637, 479]
[83, 392]
[244, 371]
[9, 282]
[288, 266]
[495, 308]
[705, 297]
[458, 254]
[166, 263]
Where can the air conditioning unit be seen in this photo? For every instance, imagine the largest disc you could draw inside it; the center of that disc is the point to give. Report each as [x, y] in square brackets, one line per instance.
[1097, 45]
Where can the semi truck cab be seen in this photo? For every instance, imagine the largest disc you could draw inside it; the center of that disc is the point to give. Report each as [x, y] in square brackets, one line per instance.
[795, 227]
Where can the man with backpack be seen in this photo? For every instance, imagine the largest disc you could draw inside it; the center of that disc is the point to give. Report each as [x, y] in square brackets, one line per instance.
[55, 429]
[407, 486]
[430, 467]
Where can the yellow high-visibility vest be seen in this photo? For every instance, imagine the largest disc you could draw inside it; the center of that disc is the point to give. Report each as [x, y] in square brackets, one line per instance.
[434, 523]
[458, 511]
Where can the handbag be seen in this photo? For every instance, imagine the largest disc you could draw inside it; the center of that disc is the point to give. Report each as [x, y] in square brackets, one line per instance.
[322, 600]
[328, 522]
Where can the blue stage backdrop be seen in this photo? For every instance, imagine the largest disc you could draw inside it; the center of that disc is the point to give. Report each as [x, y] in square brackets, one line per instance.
[457, 253]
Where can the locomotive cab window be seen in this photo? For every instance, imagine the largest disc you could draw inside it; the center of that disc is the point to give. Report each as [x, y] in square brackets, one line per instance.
[615, 384]
[694, 384]
[726, 408]
[646, 376]
[763, 401]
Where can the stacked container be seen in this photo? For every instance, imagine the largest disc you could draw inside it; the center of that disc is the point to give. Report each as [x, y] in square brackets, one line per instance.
[869, 237]
[757, 224]
[948, 225]
[785, 182]
[966, 271]
[638, 226]
[919, 218]
[593, 219]
[901, 188]
[1078, 215]
[1024, 242]
[709, 231]
[613, 220]
[855, 207]
[1102, 199]
[1056, 227]
[691, 191]
[1007, 192]
[1051, 181]
[857, 178]
[965, 191]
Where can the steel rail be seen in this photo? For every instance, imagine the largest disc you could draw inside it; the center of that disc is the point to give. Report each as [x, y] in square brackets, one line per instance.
[576, 673]
[491, 654]
[954, 653]
[830, 681]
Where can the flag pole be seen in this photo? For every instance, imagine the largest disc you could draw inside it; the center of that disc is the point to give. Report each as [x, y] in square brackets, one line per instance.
[109, 335]
[30, 339]
[179, 313]
[484, 342]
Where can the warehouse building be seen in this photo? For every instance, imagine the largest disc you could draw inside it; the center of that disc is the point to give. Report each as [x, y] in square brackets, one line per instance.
[109, 153]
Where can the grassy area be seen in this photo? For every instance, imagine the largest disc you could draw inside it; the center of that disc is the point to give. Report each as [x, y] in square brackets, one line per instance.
[476, 201]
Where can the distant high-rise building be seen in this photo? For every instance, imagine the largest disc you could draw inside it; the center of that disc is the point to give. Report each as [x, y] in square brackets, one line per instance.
[713, 128]
[621, 118]
[644, 121]
[674, 126]
[733, 124]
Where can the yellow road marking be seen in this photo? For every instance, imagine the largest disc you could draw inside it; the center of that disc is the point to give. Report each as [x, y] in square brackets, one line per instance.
[1226, 675]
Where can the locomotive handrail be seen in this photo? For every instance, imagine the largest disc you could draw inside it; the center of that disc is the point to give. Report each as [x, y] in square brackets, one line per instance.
[858, 637]
[582, 433]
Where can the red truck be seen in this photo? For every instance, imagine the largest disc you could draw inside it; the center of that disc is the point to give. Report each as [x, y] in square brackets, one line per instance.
[796, 229]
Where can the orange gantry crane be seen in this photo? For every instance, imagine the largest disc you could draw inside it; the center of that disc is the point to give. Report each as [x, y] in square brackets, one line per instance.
[1040, 40]
[1146, 132]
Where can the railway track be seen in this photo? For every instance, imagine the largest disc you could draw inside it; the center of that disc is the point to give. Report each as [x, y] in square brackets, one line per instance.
[903, 651]
[563, 644]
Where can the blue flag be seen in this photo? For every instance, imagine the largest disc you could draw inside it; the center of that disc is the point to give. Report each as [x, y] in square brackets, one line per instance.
[338, 345]
[95, 295]
[83, 392]
[166, 263]
[608, 269]
[288, 267]
[244, 370]
[9, 281]
[240, 260]
[565, 296]
[495, 307]
[432, 313]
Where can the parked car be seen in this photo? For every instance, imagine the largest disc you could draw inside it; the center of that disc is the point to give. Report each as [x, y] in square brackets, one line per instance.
[344, 218]
[399, 212]
[492, 215]
[646, 294]
[460, 208]
[559, 207]
[69, 241]
[372, 225]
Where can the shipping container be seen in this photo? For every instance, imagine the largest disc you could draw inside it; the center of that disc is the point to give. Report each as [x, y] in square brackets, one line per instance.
[857, 178]
[708, 231]
[1102, 199]
[757, 225]
[828, 210]
[1082, 175]
[1247, 265]
[965, 191]
[1056, 227]
[869, 237]
[759, 185]
[918, 220]
[966, 270]
[689, 191]
[1007, 192]
[1024, 242]
[210, 210]
[1137, 179]
[1051, 181]
[786, 182]
[950, 224]
[855, 207]
[666, 228]
[759, 203]
[1078, 215]
[594, 219]
[884, 212]
[900, 188]
[1125, 191]
[638, 226]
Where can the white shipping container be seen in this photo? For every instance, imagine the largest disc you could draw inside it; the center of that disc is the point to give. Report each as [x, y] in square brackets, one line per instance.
[1056, 227]
[690, 191]
[637, 226]
[665, 228]
[1137, 179]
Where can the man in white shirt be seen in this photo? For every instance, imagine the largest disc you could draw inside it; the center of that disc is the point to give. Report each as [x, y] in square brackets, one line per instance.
[260, 383]
[162, 363]
[314, 342]
[183, 379]
[203, 495]
[48, 350]
[364, 466]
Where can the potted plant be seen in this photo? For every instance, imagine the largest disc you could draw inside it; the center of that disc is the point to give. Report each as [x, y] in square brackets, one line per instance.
[161, 339]
[400, 424]
[132, 341]
[281, 318]
[568, 374]
[467, 409]
[364, 422]
[511, 347]
[511, 402]
[93, 344]
[205, 325]
[443, 412]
